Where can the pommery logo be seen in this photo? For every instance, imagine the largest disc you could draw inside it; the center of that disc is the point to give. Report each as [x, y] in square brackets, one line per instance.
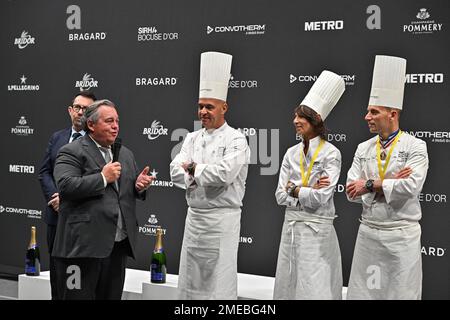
[22, 129]
[424, 25]
[149, 228]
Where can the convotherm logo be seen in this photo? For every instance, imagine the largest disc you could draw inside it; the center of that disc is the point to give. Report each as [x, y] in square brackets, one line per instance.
[432, 136]
[29, 213]
[250, 29]
[348, 78]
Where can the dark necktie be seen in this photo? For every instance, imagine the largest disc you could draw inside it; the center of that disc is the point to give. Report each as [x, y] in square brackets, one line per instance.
[75, 136]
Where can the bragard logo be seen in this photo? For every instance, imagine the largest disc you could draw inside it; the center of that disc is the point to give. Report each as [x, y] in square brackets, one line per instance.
[152, 34]
[87, 83]
[251, 29]
[348, 78]
[23, 86]
[30, 213]
[433, 251]
[22, 129]
[73, 22]
[423, 26]
[156, 81]
[324, 25]
[24, 40]
[155, 130]
[425, 78]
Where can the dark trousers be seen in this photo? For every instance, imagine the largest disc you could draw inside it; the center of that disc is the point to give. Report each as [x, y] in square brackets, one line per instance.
[51, 232]
[93, 278]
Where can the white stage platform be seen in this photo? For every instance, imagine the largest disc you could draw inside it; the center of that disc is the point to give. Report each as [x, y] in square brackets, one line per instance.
[138, 287]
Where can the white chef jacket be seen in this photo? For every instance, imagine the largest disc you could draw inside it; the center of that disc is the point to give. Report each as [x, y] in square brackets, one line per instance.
[208, 260]
[309, 258]
[222, 156]
[387, 261]
[400, 203]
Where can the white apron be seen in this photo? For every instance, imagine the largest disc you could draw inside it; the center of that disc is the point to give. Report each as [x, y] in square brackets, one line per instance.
[208, 263]
[309, 261]
[387, 263]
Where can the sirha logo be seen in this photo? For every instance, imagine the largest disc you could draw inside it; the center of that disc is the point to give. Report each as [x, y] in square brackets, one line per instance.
[155, 130]
[87, 83]
[24, 40]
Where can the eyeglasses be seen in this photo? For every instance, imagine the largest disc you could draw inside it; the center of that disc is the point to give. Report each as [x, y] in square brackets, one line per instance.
[77, 108]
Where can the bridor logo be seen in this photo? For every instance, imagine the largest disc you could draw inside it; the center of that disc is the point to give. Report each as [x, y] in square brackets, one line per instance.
[87, 83]
[156, 129]
[24, 40]
[251, 29]
[424, 25]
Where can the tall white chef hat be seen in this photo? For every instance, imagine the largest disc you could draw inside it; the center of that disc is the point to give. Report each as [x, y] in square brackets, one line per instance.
[388, 82]
[215, 71]
[325, 93]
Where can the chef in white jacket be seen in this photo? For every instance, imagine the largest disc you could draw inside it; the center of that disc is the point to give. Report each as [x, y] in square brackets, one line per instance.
[386, 177]
[212, 166]
[309, 258]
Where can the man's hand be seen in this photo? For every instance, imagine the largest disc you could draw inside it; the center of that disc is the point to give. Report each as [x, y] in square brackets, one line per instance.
[54, 202]
[356, 188]
[322, 183]
[189, 167]
[144, 181]
[403, 174]
[111, 171]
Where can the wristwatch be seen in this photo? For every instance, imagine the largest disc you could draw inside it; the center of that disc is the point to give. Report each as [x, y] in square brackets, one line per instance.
[191, 168]
[290, 190]
[369, 185]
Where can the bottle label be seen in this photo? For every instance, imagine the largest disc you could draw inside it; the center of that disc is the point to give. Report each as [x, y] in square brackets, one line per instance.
[157, 272]
[160, 250]
[30, 269]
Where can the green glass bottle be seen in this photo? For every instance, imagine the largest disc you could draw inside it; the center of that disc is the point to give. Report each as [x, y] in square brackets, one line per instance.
[33, 258]
[158, 268]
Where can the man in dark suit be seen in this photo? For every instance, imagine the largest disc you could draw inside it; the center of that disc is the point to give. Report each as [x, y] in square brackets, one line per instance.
[97, 225]
[79, 103]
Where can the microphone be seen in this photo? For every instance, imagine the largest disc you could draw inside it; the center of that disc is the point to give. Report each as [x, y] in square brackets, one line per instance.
[116, 149]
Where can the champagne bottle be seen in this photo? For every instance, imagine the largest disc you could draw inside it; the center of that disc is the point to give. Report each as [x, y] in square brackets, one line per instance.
[158, 268]
[33, 258]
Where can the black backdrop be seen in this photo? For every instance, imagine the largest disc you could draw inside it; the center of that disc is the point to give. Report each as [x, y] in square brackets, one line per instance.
[279, 47]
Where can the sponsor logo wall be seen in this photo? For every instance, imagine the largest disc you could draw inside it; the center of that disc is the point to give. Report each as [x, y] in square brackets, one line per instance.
[146, 57]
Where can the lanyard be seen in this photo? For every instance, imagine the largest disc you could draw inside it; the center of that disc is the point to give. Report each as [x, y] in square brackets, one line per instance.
[305, 177]
[382, 170]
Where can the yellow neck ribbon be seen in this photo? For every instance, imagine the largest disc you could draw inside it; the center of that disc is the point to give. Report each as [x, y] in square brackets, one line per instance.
[305, 177]
[382, 169]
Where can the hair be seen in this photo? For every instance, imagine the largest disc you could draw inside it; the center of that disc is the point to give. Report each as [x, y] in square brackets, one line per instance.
[313, 118]
[86, 93]
[91, 113]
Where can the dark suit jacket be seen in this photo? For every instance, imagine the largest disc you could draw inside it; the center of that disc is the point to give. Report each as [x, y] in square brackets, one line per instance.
[88, 211]
[57, 140]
